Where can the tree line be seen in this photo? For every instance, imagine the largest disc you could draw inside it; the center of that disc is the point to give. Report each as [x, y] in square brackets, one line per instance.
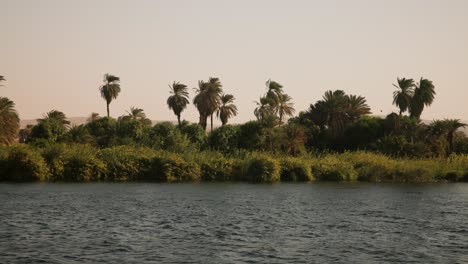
[337, 122]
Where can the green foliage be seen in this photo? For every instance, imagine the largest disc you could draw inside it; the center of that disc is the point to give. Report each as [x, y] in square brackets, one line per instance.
[167, 136]
[251, 135]
[194, 132]
[364, 133]
[224, 139]
[24, 163]
[214, 166]
[49, 129]
[332, 168]
[104, 130]
[295, 169]
[127, 163]
[173, 168]
[262, 168]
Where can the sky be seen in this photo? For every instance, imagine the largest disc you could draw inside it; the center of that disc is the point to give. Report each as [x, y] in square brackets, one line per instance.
[54, 53]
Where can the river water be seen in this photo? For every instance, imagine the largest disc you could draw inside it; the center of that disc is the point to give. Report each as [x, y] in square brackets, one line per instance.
[233, 223]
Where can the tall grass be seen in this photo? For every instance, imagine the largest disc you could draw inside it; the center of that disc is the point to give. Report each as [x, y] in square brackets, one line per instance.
[78, 162]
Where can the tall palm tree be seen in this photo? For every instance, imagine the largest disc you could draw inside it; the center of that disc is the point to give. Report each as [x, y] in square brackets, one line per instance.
[424, 93]
[284, 107]
[208, 99]
[274, 92]
[55, 115]
[227, 109]
[179, 100]
[263, 109]
[402, 97]
[9, 121]
[110, 89]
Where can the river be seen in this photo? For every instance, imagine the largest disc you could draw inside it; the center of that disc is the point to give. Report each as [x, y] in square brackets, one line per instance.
[233, 223]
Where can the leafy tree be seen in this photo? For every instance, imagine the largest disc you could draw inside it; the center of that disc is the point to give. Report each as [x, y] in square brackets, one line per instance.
[224, 139]
[251, 135]
[403, 96]
[9, 121]
[52, 127]
[194, 132]
[227, 109]
[104, 130]
[166, 136]
[110, 89]
[179, 100]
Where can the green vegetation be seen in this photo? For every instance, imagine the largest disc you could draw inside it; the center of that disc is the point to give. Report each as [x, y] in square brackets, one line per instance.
[335, 139]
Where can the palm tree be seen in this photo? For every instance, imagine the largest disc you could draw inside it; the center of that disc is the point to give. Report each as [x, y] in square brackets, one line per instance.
[110, 89]
[93, 117]
[357, 107]
[56, 115]
[208, 99]
[274, 92]
[179, 100]
[424, 93]
[263, 109]
[227, 109]
[284, 107]
[402, 97]
[447, 128]
[136, 114]
[9, 121]
[337, 109]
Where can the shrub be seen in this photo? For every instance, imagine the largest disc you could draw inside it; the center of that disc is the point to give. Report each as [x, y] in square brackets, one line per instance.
[331, 168]
[294, 169]
[126, 163]
[173, 168]
[82, 164]
[263, 169]
[370, 166]
[24, 163]
[166, 136]
[214, 166]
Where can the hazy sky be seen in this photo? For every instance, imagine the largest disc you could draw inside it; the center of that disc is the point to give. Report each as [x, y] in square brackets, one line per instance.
[54, 53]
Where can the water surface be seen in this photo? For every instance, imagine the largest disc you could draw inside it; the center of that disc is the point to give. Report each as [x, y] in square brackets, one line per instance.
[233, 223]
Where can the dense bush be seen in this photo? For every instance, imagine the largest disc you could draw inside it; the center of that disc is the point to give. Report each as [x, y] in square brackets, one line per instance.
[215, 167]
[332, 168]
[173, 168]
[194, 132]
[126, 163]
[294, 169]
[224, 139]
[167, 136]
[262, 168]
[251, 135]
[24, 163]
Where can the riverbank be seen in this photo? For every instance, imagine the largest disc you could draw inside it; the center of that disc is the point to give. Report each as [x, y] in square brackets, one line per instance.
[81, 163]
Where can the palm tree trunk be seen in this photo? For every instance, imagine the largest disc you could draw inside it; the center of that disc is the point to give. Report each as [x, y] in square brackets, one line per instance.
[178, 119]
[450, 141]
[211, 122]
[108, 110]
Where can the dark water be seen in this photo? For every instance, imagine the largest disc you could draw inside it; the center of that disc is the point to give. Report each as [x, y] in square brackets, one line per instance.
[233, 223]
